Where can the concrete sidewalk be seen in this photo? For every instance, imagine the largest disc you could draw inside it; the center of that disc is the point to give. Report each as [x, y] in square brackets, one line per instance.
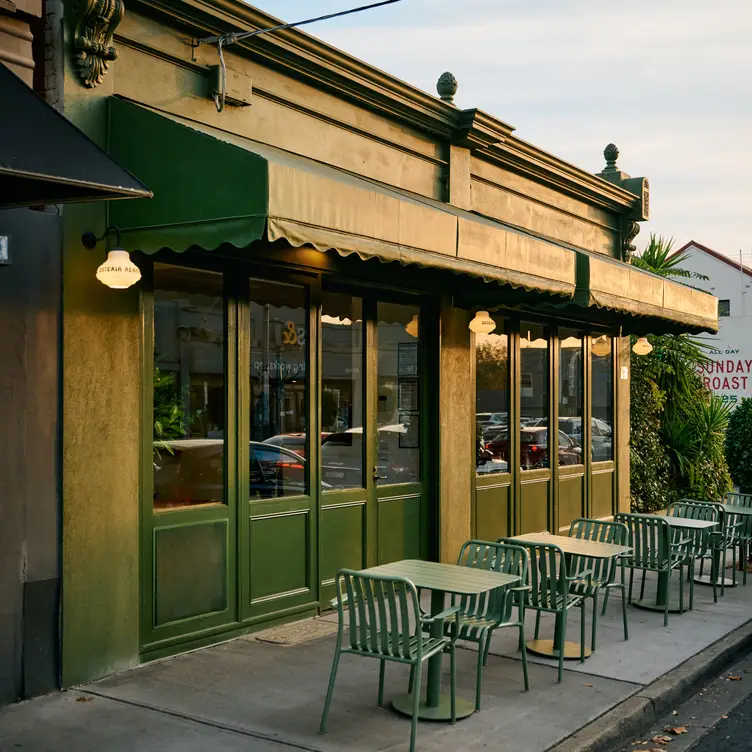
[257, 696]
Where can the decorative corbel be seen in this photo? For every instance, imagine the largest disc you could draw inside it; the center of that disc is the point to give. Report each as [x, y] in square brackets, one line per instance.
[629, 233]
[96, 24]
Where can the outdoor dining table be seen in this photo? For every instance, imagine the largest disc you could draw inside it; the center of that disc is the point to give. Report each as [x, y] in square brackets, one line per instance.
[440, 579]
[570, 547]
[664, 578]
[739, 511]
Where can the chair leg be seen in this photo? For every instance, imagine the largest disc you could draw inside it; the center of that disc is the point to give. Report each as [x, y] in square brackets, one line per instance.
[562, 645]
[453, 683]
[411, 683]
[583, 617]
[713, 574]
[479, 676]
[691, 584]
[723, 571]
[330, 690]
[595, 621]
[681, 589]
[487, 649]
[624, 610]
[537, 624]
[733, 565]
[416, 706]
[523, 650]
[382, 670]
[642, 586]
[744, 558]
[668, 600]
[631, 582]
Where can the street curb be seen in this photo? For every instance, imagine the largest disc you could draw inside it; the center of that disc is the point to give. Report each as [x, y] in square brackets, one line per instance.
[632, 716]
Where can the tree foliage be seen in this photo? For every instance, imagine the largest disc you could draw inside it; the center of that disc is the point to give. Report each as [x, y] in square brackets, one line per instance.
[739, 445]
[678, 426]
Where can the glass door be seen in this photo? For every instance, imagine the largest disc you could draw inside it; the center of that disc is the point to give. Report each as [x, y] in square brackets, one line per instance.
[373, 504]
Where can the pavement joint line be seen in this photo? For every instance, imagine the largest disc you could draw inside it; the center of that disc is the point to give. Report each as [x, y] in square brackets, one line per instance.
[201, 721]
[644, 708]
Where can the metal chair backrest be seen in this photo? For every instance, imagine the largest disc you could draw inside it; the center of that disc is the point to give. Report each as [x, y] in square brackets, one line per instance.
[739, 499]
[601, 532]
[382, 613]
[547, 573]
[650, 538]
[497, 557]
[708, 511]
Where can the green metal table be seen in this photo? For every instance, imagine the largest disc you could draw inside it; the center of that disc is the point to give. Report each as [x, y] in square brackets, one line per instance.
[441, 579]
[664, 578]
[570, 547]
[727, 509]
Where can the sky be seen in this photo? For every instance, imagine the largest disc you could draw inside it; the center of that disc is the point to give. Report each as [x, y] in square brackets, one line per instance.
[668, 81]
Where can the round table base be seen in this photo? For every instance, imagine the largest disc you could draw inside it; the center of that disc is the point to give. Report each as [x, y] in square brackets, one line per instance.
[442, 712]
[705, 580]
[546, 648]
[649, 604]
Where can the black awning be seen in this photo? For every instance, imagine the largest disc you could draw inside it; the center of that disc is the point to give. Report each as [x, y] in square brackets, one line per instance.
[45, 159]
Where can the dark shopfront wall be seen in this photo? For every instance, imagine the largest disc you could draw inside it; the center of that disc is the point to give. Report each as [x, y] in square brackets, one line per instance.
[29, 465]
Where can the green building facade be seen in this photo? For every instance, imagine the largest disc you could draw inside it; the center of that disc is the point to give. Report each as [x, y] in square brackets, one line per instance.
[294, 384]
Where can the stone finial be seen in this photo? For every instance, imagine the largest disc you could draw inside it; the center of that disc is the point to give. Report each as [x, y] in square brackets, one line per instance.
[447, 87]
[611, 153]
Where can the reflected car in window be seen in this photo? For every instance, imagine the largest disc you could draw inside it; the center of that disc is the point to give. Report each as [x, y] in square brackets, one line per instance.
[534, 448]
[190, 472]
[600, 435]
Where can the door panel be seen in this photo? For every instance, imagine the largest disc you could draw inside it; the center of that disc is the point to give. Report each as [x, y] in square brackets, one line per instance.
[400, 527]
[492, 510]
[342, 541]
[533, 508]
[602, 501]
[571, 499]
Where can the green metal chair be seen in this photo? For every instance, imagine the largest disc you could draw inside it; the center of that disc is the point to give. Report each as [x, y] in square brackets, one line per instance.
[653, 550]
[480, 615]
[549, 591]
[603, 570]
[385, 621]
[745, 532]
[699, 544]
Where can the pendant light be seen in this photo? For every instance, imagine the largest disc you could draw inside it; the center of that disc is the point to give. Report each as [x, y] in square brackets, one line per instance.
[642, 346]
[482, 323]
[602, 346]
[118, 271]
[412, 327]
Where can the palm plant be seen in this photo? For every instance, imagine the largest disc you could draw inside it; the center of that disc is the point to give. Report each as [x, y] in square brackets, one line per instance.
[658, 259]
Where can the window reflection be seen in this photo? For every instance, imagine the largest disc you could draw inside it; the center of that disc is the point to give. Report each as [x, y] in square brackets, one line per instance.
[342, 398]
[602, 398]
[189, 388]
[398, 398]
[570, 397]
[492, 400]
[279, 379]
[534, 390]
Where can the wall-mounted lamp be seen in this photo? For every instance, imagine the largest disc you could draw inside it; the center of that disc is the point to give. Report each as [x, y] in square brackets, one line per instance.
[118, 271]
[642, 346]
[482, 323]
[412, 327]
[602, 346]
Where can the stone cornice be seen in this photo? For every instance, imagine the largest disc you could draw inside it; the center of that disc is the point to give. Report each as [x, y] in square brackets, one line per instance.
[301, 55]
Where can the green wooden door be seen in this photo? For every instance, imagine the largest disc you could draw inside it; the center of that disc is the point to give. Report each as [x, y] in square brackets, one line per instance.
[374, 504]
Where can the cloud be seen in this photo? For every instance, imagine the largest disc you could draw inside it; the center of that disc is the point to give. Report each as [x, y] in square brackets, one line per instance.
[670, 82]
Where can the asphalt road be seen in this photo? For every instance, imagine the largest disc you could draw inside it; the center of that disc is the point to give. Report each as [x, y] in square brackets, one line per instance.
[732, 734]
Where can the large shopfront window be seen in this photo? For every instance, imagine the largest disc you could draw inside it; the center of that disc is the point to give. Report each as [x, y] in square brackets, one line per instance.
[492, 400]
[534, 396]
[279, 390]
[571, 394]
[188, 453]
[342, 393]
[602, 397]
[398, 383]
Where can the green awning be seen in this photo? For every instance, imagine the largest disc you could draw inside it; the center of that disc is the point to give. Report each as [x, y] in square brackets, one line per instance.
[653, 303]
[212, 187]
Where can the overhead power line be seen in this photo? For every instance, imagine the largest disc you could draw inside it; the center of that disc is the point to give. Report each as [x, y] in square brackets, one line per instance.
[223, 40]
